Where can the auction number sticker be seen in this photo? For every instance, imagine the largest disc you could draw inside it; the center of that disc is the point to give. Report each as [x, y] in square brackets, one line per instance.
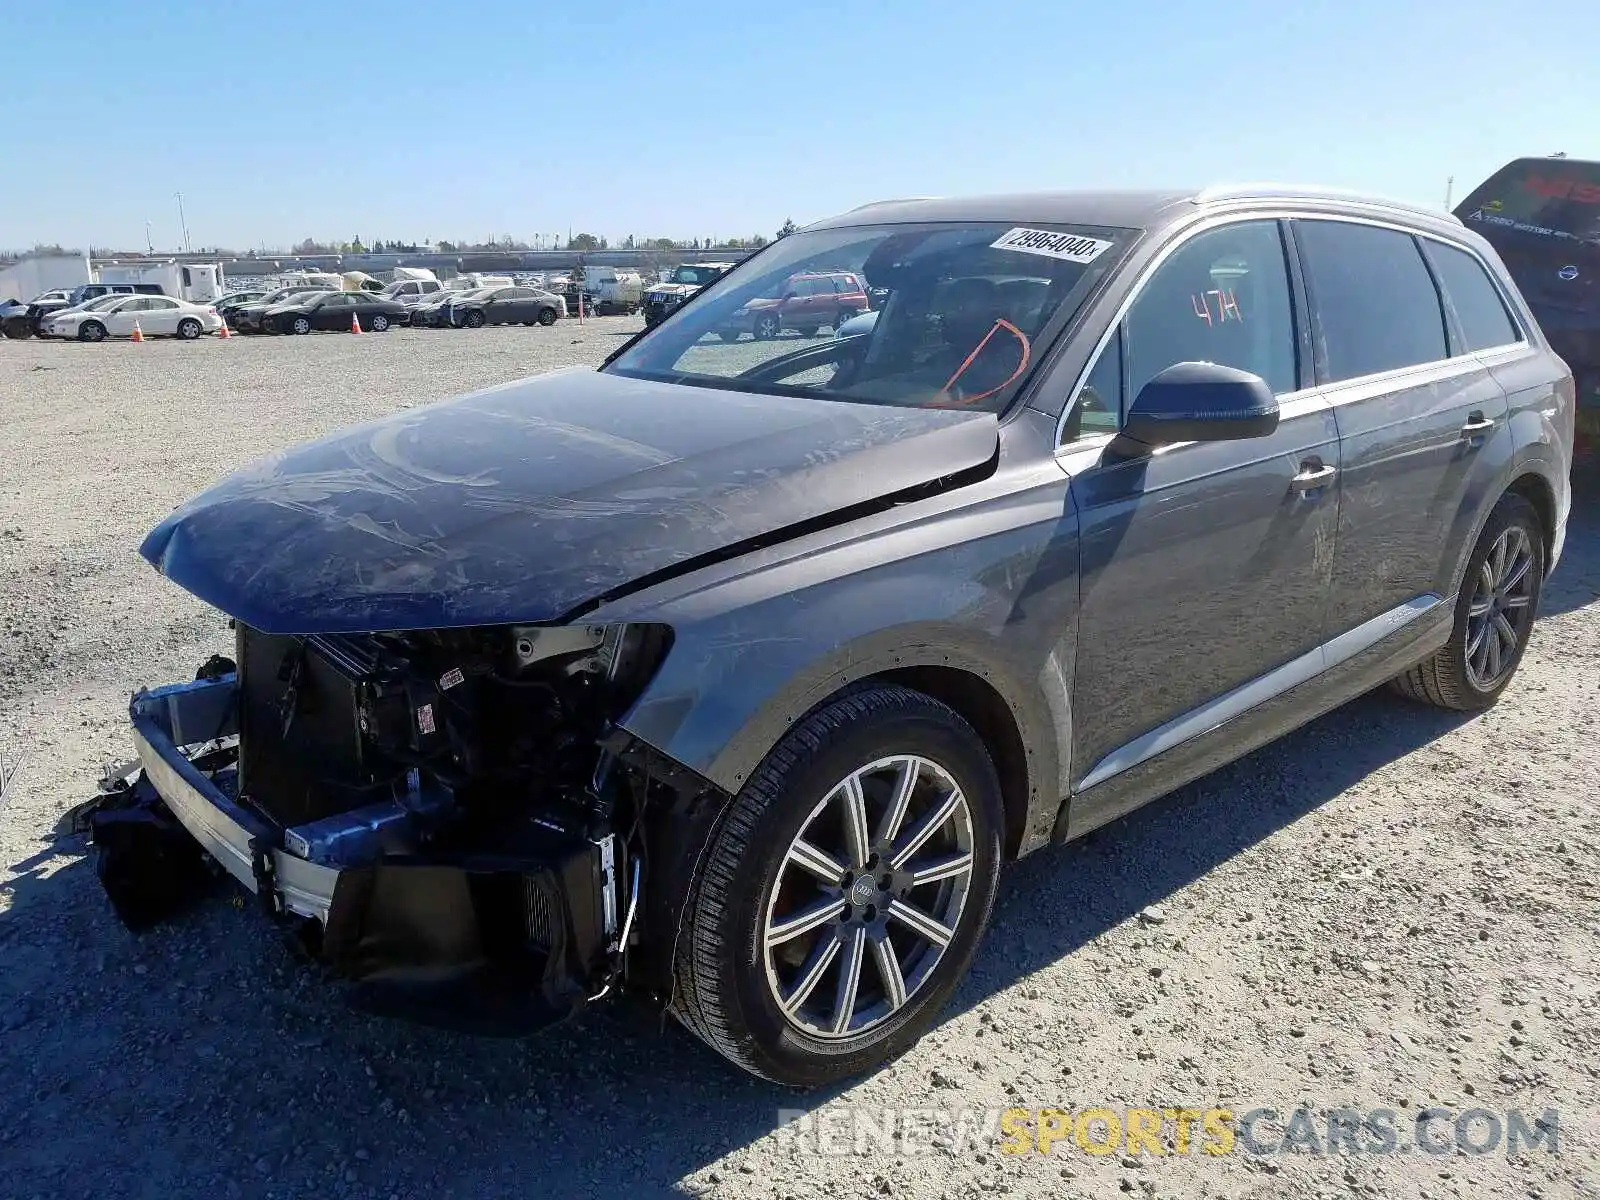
[1069, 247]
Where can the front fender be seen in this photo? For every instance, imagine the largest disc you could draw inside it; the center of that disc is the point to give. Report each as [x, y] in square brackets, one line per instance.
[989, 589]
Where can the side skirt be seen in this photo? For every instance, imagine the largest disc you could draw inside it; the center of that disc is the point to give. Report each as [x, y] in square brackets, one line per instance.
[1281, 713]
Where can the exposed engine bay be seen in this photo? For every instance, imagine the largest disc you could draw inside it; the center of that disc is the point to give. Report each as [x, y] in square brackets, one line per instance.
[448, 818]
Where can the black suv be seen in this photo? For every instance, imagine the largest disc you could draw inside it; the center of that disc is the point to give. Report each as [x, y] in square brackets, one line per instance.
[1543, 216]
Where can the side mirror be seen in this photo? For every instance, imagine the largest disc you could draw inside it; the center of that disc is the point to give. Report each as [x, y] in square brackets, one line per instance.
[1201, 402]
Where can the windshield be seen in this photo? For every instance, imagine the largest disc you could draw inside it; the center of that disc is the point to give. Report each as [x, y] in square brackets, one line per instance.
[100, 303]
[695, 275]
[966, 309]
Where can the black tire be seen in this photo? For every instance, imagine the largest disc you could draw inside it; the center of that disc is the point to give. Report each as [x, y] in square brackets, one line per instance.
[728, 335]
[721, 992]
[808, 331]
[300, 325]
[473, 320]
[189, 329]
[1444, 679]
[91, 331]
[767, 327]
[845, 314]
[548, 316]
[380, 323]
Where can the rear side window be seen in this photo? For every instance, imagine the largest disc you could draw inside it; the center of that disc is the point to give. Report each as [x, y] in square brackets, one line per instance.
[1480, 312]
[1375, 304]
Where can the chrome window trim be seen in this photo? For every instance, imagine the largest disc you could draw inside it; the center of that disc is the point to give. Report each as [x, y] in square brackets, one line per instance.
[1208, 222]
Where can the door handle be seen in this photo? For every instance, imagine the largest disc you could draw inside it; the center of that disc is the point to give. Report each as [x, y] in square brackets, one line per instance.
[1476, 423]
[1313, 475]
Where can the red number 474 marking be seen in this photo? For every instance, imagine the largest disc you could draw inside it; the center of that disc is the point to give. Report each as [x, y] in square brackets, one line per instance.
[1227, 306]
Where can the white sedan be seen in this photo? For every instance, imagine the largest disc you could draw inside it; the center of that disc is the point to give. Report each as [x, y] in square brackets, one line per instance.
[156, 316]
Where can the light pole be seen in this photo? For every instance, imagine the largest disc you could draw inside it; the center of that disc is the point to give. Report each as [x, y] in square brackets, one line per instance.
[182, 223]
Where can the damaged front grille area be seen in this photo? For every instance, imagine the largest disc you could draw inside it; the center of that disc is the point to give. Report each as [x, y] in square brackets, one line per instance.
[441, 812]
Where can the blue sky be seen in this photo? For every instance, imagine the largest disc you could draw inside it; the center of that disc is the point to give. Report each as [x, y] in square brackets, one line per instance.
[705, 117]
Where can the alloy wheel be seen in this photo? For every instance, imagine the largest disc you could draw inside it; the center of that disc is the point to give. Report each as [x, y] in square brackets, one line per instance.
[1501, 608]
[869, 896]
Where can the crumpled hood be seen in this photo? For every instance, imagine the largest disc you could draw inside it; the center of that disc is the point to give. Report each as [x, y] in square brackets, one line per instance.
[523, 502]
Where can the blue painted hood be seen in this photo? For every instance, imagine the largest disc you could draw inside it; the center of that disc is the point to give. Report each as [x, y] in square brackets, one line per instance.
[523, 502]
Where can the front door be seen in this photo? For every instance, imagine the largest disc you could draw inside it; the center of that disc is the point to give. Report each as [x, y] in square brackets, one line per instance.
[333, 314]
[1206, 565]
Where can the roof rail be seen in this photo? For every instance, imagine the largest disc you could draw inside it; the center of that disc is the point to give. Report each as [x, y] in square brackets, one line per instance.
[1274, 191]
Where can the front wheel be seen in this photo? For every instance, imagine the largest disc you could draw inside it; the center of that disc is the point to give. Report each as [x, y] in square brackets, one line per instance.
[845, 890]
[300, 325]
[766, 327]
[1494, 614]
[91, 331]
[189, 329]
[473, 320]
[547, 316]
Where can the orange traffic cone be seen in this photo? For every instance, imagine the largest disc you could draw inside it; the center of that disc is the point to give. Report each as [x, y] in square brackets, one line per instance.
[224, 332]
[138, 334]
[355, 323]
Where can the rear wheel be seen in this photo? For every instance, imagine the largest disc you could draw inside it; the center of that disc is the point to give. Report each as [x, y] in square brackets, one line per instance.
[189, 329]
[845, 890]
[91, 331]
[1494, 614]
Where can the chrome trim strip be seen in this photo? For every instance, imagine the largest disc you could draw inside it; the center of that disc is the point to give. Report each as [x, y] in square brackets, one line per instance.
[1208, 222]
[1224, 708]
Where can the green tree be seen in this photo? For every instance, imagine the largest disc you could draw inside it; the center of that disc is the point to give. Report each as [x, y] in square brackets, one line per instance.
[584, 242]
[787, 227]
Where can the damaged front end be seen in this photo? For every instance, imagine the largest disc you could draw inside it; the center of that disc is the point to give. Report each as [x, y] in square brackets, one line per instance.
[447, 819]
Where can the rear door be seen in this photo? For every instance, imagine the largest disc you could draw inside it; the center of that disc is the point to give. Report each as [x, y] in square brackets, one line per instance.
[160, 316]
[1422, 421]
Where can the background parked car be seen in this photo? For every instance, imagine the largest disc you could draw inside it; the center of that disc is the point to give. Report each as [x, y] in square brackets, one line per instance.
[95, 304]
[13, 319]
[412, 291]
[808, 302]
[332, 311]
[156, 316]
[246, 318]
[439, 311]
[508, 306]
[234, 301]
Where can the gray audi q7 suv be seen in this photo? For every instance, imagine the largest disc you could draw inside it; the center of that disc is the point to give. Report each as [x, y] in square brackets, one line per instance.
[728, 675]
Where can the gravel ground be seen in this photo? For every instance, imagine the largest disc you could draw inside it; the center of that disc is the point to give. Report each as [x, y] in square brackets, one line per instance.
[1392, 908]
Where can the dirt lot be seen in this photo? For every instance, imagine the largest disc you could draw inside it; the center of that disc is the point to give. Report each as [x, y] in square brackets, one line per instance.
[1392, 909]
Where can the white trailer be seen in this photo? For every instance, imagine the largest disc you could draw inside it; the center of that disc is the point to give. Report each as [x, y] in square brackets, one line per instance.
[622, 290]
[200, 283]
[39, 273]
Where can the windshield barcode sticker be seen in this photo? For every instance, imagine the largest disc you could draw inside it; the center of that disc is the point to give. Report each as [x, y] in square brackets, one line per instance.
[1070, 247]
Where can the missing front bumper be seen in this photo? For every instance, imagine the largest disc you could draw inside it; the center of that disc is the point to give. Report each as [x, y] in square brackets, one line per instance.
[494, 940]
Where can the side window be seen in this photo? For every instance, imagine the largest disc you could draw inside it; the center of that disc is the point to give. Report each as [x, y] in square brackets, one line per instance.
[1221, 297]
[1375, 304]
[159, 303]
[1098, 406]
[1480, 312]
